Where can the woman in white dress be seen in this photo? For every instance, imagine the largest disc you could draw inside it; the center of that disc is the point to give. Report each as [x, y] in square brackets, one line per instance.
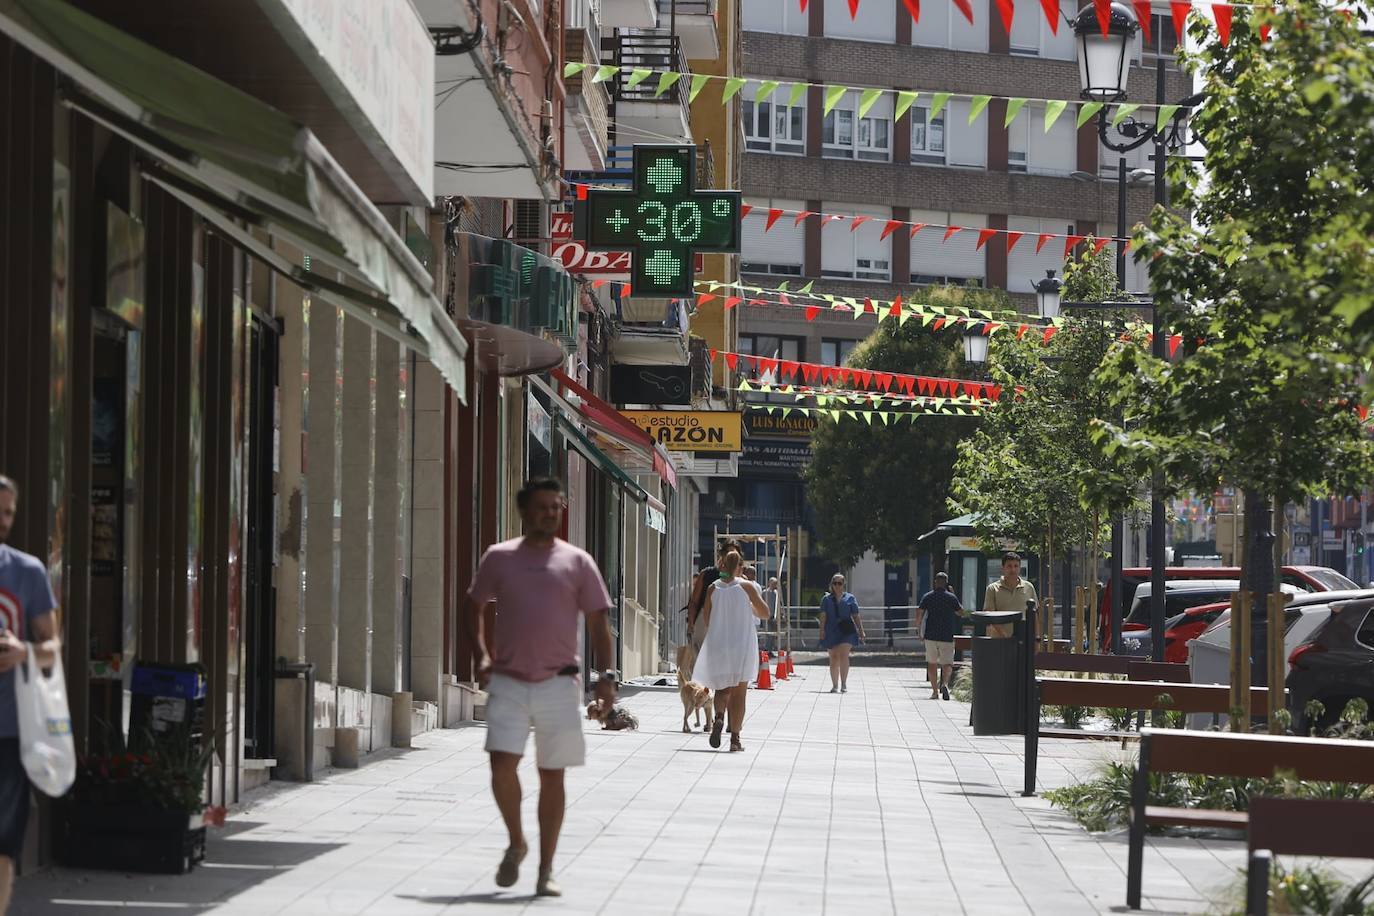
[729, 657]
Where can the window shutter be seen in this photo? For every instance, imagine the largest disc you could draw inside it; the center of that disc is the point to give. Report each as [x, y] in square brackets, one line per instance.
[967, 143]
[1024, 266]
[933, 29]
[781, 246]
[876, 20]
[1056, 152]
[966, 36]
[1057, 47]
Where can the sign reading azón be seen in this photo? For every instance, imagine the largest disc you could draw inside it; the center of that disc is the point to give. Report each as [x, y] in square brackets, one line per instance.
[691, 430]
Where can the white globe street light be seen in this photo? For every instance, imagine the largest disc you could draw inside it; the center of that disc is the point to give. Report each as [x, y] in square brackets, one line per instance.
[1103, 60]
[1047, 295]
[975, 348]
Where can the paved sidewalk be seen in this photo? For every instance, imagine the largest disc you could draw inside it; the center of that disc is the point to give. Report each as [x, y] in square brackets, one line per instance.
[833, 808]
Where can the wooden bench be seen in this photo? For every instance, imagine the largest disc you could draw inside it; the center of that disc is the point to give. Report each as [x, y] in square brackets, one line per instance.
[1255, 757]
[963, 642]
[1302, 827]
[1130, 694]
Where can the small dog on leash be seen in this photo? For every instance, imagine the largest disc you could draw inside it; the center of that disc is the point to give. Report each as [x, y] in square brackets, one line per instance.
[614, 718]
[695, 697]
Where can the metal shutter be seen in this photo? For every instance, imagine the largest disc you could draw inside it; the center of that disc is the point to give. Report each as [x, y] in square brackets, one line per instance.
[967, 144]
[876, 20]
[783, 245]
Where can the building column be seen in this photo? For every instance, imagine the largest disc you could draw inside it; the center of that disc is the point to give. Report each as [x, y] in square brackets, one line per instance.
[999, 138]
[357, 488]
[815, 118]
[427, 547]
[811, 244]
[1087, 146]
[322, 468]
[901, 246]
[391, 519]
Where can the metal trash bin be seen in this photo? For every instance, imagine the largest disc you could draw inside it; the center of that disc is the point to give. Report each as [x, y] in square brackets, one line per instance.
[999, 680]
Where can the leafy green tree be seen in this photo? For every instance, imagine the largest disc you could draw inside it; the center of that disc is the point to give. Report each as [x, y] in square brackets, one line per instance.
[877, 487]
[1263, 271]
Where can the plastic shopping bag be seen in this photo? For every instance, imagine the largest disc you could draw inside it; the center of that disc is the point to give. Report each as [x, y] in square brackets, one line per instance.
[45, 727]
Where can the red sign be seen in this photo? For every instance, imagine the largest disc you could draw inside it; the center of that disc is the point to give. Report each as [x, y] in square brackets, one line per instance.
[578, 260]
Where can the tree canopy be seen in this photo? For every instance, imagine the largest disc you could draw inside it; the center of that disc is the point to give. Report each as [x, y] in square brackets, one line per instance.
[877, 487]
[1263, 271]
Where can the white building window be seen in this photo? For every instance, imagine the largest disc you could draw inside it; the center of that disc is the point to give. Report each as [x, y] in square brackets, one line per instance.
[773, 126]
[1031, 149]
[943, 26]
[875, 20]
[966, 144]
[844, 135]
[927, 136]
[835, 351]
[775, 17]
[856, 254]
[779, 251]
[957, 261]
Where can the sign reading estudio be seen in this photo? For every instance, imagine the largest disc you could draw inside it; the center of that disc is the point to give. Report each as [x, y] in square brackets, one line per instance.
[692, 430]
[577, 259]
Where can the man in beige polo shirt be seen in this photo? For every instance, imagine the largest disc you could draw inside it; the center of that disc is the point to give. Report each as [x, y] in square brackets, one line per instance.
[1009, 593]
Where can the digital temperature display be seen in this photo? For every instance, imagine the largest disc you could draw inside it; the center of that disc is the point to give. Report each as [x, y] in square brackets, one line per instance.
[662, 221]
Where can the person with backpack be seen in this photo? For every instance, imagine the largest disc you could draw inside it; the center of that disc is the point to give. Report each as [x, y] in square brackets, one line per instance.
[841, 630]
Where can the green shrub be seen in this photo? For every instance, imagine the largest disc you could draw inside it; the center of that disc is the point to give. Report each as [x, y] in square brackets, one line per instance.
[1306, 889]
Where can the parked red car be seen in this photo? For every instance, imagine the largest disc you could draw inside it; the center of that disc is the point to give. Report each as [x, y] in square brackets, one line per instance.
[1308, 578]
[1188, 626]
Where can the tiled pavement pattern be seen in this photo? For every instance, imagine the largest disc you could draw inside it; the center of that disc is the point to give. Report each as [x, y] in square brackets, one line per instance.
[875, 801]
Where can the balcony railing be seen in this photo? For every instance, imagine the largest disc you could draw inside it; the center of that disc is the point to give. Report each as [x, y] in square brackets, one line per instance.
[657, 52]
[685, 8]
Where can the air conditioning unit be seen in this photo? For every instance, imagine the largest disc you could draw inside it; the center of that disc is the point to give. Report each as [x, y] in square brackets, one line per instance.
[528, 222]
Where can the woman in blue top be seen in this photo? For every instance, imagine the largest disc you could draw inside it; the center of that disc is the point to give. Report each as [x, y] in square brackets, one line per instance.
[841, 631]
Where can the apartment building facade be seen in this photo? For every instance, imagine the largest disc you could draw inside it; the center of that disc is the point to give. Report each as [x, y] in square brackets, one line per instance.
[936, 169]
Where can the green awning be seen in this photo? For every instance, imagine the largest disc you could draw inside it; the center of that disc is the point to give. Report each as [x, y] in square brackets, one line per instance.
[244, 165]
[578, 440]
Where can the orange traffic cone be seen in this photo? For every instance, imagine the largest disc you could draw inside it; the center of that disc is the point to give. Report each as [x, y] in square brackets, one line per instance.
[781, 673]
[791, 668]
[765, 682]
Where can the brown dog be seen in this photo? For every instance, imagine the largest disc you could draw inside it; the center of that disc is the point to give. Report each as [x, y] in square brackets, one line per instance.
[695, 697]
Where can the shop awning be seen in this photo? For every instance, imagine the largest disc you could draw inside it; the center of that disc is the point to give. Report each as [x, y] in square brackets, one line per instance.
[609, 422]
[244, 165]
[578, 440]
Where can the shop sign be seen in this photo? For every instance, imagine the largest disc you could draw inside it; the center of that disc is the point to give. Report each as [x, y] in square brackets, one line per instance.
[792, 457]
[519, 288]
[953, 544]
[799, 426]
[651, 384]
[655, 520]
[575, 257]
[692, 430]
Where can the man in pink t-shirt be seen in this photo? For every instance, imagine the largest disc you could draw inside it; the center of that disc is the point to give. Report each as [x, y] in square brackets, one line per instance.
[541, 585]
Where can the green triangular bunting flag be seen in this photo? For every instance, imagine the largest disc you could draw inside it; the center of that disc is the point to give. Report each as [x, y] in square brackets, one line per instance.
[572, 69]
[1014, 107]
[867, 99]
[766, 89]
[1087, 111]
[795, 96]
[605, 72]
[1053, 110]
[833, 94]
[732, 85]
[666, 81]
[976, 107]
[637, 76]
[904, 100]
[805, 289]
[699, 81]
[1166, 114]
[937, 103]
[1123, 112]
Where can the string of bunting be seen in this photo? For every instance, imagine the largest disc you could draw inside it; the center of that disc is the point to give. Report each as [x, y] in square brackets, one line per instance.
[824, 396]
[888, 417]
[902, 99]
[771, 215]
[1223, 14]
[834, 376]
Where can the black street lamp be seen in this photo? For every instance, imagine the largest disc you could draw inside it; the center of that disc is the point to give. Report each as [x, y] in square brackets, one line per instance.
[1047, 295]
[975, 348]
[1103, 71]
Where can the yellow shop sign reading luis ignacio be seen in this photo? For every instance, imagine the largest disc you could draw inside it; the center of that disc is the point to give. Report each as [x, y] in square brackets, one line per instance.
[692, 430]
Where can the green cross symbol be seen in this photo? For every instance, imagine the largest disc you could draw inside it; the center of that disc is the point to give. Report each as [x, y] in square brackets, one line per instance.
[662, 222]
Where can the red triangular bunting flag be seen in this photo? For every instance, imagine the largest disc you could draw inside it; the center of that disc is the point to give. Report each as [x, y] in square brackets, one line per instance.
[973, 389]
[906, 383]
[732, 360]
[1180, 10]
[808, 371]
[966, 8]
[581, 191]
[1012, 239]
[865, 377]
[1021, 331]
[732, 301]
[757, 302]
[853, 8]
[1100, 244]
[711, 354]
[1174, 341]
[983, 236]
[1050, 332]
[992, 392]
[1265, 29]
[703, 298]
[868, 306]
[950, 231]
[1070, 243]
[773, 215]
[1007, 10]
[923, 384]
[1044, 237]
[625, 291]
[1051, 8]
[884, 379]
[828, 219]
[812, 311]
[1222, 13]
[896, 310]
[938, 324]
[1363, 411]
[790, 368]
[744, 210]
[915, 228]
[803, 6]
[914, 8]
[887, 230]
[1104, 14]
[858, 221]
[768, 365]
[801, 216]
[1142, 16]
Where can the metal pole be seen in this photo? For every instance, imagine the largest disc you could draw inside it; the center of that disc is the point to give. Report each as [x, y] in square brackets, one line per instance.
[1157, 533]
[1118, 520]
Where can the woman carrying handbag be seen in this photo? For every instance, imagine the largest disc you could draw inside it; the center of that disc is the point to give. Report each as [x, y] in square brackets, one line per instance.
[841, 631]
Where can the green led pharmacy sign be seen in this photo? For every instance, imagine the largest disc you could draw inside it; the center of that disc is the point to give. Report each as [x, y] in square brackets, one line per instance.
[662, 222]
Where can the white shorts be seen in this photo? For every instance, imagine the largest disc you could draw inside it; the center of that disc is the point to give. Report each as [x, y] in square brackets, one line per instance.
[553, 707]
[939, 653]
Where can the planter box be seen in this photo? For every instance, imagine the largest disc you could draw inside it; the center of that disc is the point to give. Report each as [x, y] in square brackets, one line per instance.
[138, 838]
